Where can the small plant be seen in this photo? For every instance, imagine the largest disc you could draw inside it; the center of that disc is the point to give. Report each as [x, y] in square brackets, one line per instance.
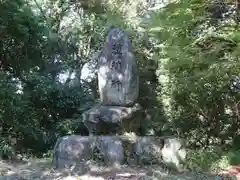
[202, 160]
[212, 160]
[6, 150]
[233, 157]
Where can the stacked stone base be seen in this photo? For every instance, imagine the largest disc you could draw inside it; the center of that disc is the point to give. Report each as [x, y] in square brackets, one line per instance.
[77, 150]
[113, 120]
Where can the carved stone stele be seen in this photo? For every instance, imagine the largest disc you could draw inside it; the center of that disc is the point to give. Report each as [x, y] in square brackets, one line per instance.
[118, 79]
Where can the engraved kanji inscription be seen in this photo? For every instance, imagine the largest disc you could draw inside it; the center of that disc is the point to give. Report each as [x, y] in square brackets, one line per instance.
[116, 84]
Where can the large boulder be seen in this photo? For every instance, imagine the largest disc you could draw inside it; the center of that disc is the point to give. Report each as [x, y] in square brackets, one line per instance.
[165, 150]
[118, 79]
[73, 150]
[148, 150]
[112, 120]
[112, 150]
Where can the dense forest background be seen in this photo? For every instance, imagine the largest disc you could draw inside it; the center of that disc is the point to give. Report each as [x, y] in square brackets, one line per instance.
[188, 54]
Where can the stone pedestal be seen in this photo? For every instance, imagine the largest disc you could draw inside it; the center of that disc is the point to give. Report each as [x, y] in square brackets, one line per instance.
[75, 151]
[112, 120]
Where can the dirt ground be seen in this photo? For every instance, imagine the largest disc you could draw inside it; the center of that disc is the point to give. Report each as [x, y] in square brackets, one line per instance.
[41, 169]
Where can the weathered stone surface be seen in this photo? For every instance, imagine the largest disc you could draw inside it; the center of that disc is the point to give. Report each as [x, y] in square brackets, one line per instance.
[112, 150]
[109, 120]
[148, 150]
[167, 150]
[173, 152]
[118, 80]
[72, 150]
[129, 141]
[75, 151]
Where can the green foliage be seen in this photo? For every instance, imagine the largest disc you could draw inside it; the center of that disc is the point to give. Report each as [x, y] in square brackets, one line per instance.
[201, 66]
[188, 59]
[212, 159]
[33, 101]
[21, 40]
[203, 160]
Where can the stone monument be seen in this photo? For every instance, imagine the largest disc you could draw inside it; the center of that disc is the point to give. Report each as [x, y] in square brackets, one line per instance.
[118, 84]
[117, 113]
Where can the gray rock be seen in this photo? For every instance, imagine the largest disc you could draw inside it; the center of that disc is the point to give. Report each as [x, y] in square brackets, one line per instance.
[112, 150]
[111, 120]
[80, 168]
[148, 150]
[118, 79]
[73, 149]
[174, 152]
[167, 150]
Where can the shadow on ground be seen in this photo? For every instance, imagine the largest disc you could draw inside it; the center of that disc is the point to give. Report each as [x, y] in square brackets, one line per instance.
[41, 169]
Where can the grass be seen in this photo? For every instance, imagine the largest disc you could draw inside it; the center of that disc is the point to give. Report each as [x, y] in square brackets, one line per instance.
[213, 159]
